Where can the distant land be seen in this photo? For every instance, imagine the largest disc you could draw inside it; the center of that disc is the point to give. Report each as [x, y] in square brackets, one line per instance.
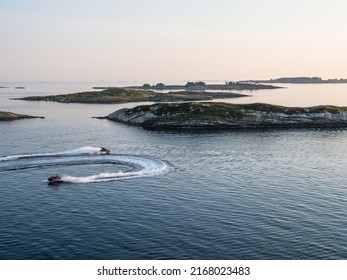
[301, 80]
[192, 91]
[201, 86]
[122, 95]
[14, 87]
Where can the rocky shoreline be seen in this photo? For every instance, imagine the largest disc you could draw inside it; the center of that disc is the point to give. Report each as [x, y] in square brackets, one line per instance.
[9, 116]
[210, 115]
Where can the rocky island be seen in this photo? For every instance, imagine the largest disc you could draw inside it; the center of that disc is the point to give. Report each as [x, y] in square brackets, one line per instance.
[210, 115]
[202, 86]
[123, 95]
[9, 116]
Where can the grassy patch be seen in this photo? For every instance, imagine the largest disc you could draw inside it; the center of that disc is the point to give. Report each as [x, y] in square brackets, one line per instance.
[269, 108]
[221, 111]
[123, 95]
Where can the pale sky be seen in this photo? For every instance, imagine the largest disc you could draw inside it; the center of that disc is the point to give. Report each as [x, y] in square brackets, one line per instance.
[153, 40]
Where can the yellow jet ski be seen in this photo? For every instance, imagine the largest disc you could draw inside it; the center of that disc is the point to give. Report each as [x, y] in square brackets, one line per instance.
[104, 151]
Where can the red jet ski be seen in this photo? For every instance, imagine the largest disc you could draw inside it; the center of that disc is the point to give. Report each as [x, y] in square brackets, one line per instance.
[54, 179]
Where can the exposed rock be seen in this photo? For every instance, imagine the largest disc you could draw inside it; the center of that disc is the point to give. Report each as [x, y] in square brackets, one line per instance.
[226, 115]
[9, 116]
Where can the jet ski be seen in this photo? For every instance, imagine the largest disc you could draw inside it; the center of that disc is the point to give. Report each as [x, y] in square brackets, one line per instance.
[54, 179]
[104, 151]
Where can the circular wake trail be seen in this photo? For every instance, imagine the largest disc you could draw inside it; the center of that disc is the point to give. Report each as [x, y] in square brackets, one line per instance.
[139, 166]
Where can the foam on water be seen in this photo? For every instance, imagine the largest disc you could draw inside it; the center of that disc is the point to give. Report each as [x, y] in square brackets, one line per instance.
[145, 167]
[79, 151]
[140, 166]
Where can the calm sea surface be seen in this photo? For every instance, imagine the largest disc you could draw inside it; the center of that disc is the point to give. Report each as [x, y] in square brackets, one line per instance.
[273, 194]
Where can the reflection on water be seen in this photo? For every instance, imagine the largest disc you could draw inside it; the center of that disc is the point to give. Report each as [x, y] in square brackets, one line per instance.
[274, 194]
[289, 95]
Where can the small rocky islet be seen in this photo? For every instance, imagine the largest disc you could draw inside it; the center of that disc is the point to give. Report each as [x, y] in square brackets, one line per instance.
[10, 116]
[211, 115]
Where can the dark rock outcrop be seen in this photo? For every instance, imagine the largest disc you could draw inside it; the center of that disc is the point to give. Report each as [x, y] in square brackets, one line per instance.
[226, 115]
[9, 116]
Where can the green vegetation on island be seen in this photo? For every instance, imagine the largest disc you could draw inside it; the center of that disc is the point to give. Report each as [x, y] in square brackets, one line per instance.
[124, 95]
[225, 115]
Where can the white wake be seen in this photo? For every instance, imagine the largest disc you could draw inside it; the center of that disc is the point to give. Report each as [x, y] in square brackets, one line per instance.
[88, 150]
[139, 166]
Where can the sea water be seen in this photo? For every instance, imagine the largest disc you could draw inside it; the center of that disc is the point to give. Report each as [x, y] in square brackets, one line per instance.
[268, 194]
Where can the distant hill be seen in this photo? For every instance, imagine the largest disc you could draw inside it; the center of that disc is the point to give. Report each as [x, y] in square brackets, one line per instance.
[302, 80]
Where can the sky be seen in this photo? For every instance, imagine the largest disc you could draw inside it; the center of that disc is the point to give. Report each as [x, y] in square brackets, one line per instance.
[177, 40]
